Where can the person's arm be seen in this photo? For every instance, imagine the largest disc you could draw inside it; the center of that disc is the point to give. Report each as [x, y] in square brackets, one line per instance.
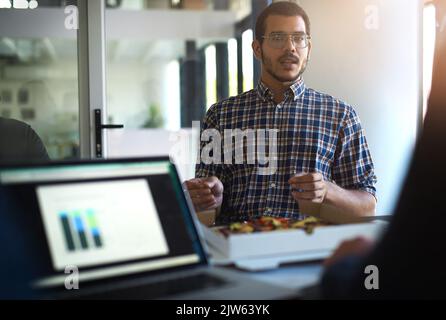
[206, 193]
[352, 202]
[351, 191]
[206, 190]
[325, 199]
[343, 269]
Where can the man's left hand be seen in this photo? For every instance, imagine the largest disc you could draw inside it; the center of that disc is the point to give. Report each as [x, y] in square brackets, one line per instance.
[309, 187]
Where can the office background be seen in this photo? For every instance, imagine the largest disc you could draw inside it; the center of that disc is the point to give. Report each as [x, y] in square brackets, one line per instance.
[156, 65]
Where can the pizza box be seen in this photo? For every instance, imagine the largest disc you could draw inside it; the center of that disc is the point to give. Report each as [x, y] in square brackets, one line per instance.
[263, 250]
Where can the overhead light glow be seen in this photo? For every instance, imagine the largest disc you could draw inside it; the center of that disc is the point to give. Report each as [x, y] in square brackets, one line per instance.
[5, 4]
[33, 4]
[20, 4]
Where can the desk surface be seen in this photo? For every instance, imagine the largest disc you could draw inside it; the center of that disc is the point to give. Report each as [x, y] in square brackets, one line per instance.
[293, 276]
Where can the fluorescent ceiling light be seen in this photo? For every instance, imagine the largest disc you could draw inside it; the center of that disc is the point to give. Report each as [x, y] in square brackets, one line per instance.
[33, 4]
[5, 4]
[20, 4]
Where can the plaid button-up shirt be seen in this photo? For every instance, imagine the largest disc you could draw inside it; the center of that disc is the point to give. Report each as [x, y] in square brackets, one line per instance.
[315, 133]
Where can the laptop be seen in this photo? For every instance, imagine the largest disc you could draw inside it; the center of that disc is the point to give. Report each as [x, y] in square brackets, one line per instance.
[112, 229]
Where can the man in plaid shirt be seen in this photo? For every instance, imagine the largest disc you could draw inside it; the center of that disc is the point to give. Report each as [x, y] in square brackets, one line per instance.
[322, 158]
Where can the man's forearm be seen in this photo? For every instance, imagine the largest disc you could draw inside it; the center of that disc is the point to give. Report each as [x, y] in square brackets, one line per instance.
[350, 202]
[341, 206]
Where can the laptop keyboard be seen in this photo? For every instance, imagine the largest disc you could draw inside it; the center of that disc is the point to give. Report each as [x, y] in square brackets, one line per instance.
[163, 288]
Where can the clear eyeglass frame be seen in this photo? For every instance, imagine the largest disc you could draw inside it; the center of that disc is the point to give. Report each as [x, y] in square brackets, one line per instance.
[279, 40]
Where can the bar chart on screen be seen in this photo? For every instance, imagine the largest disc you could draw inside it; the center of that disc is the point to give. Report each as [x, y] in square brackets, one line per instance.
[81, 229]
[90, 223]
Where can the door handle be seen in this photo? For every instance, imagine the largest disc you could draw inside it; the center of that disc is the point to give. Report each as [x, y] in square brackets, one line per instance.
[99, 126]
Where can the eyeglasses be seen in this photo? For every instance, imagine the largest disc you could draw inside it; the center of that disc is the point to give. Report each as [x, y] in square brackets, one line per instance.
[279, 40]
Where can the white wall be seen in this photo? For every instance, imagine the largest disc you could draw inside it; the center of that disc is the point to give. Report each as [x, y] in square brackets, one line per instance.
[133, 86]
[180, 145]
[373, 65]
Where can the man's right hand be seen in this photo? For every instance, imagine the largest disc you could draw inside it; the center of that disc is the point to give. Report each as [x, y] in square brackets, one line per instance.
[206, 193]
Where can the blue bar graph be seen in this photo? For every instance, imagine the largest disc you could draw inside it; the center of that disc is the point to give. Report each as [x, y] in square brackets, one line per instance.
[67, 231]
[93, 224]
[81, 230]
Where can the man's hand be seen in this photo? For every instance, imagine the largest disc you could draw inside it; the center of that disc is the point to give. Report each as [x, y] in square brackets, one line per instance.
[308, 187]
[359, 246]
[326, 200]
[206, 193]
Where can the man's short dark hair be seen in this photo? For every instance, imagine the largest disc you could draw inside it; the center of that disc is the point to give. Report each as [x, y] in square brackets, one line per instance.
[282, 8]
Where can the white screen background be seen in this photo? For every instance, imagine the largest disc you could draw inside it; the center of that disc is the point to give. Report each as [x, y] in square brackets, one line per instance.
[125, 213]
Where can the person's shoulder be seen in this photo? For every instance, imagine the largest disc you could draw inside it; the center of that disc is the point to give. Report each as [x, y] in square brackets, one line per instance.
[12, 123]
[13, 126]
[330, 101]
[233, 102]
[18, 140]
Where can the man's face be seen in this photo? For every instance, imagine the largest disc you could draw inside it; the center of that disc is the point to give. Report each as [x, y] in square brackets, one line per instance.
[287, 64]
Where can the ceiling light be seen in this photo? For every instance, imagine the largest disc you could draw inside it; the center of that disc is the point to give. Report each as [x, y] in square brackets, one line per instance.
[5, 4]
[33, 4]
[20, 4]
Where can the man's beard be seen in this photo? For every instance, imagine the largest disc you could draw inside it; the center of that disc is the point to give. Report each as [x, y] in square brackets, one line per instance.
[267, 63]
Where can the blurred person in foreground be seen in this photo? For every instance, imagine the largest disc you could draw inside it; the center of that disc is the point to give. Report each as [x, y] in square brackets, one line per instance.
[409, 255]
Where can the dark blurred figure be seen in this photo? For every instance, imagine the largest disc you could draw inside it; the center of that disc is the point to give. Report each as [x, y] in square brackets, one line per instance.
[16, 261]
[20, 143]
[410, 255]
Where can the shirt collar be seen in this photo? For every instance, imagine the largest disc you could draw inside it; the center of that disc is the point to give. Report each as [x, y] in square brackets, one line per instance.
[296, 89]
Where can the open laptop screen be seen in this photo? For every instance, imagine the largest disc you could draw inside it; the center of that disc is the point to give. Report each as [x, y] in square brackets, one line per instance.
[107, 219]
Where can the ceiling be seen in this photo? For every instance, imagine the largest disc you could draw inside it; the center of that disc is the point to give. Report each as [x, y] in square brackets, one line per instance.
[44, 50]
